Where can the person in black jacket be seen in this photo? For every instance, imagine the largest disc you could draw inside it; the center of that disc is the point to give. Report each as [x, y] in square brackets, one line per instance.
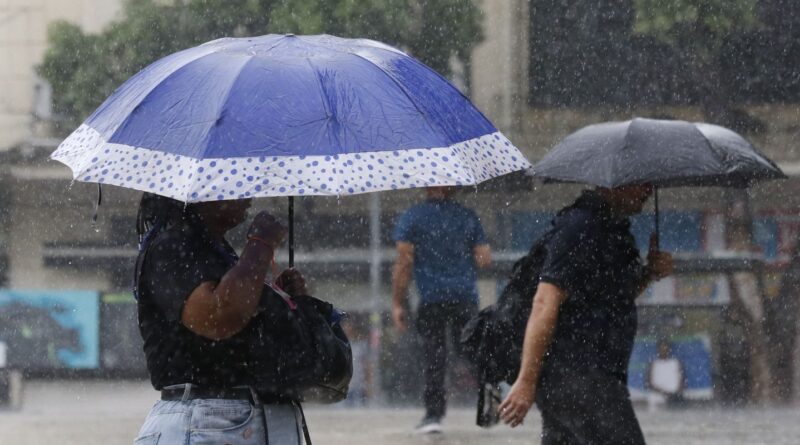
[580, 333]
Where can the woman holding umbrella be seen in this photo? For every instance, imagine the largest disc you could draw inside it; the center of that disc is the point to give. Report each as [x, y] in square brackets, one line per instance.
[197, 304]
[275, 115]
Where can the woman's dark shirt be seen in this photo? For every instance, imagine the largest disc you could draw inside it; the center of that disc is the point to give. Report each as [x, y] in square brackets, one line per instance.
[178, 260]
[593, 257]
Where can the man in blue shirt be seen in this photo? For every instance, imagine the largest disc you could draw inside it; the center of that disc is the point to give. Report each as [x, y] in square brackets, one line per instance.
[443, 243]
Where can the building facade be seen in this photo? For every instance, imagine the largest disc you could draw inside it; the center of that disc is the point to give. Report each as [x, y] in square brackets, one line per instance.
[24, 98]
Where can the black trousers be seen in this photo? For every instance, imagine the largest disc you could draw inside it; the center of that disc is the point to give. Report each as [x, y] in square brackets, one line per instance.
[587, 409]
[435, 323]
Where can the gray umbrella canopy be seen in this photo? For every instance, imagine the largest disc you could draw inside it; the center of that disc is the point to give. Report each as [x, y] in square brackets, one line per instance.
[665, 153]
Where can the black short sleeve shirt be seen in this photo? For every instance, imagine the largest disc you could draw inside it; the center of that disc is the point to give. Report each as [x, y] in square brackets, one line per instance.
[569, 252]
[593, 257]
[176, 262]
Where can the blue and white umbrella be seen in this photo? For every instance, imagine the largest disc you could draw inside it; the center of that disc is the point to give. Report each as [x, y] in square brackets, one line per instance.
[285, 115]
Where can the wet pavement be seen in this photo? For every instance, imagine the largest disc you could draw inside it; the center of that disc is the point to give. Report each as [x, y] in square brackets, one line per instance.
[110, 413]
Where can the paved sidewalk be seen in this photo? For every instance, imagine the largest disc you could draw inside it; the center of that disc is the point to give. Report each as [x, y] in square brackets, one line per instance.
[110, 413]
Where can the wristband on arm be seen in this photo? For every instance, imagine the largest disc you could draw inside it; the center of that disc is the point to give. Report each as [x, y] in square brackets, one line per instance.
[260, 240]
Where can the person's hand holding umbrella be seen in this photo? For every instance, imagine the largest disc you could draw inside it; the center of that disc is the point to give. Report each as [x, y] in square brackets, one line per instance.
[659, 263]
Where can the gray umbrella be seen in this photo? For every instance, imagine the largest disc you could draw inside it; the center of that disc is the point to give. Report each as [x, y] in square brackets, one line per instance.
[664, 153]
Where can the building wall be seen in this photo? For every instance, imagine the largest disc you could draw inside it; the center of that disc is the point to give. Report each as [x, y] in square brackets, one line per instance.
[500, 63]
[51, 209]
[23, 39]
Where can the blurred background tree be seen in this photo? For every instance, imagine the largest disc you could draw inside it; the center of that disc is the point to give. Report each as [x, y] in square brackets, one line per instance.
[717, 54]
[84, 69]
[697, 31]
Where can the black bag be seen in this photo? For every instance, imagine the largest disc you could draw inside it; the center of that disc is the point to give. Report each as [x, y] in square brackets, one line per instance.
[495, 335]
[303, 353]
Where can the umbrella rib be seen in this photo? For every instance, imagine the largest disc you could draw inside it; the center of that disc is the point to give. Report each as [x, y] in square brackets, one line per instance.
[125, 121]
[322, 96]
[149, 92]
[613, 164]
[223, 103]
[714, 152]
[327, 105]
[405, 92]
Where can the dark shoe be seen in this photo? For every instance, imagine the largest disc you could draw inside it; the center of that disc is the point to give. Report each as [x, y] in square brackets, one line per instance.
[429, 425]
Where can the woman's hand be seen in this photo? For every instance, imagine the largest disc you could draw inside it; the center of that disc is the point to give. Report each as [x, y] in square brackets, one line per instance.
[267, 229]
[518, 402]
[292, 282]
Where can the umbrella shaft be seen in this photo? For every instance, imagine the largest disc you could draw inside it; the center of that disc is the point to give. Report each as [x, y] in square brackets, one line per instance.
[291, 231]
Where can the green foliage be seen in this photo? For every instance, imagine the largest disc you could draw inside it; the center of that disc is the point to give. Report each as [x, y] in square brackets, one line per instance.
[445, 28]
[85, 68]
[374, 19]
[697, 30]
[675, 20]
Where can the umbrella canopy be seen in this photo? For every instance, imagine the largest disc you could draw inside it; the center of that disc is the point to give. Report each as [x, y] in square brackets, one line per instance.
[285, 115]
[665, 153]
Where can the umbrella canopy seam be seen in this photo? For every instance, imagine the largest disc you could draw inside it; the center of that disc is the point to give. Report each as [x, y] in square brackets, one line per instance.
[144, 94]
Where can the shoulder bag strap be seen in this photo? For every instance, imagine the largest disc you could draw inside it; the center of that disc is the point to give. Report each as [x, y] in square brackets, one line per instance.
[306, 435]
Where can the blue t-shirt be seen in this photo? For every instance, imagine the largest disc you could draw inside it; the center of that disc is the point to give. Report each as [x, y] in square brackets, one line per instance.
[444, 234]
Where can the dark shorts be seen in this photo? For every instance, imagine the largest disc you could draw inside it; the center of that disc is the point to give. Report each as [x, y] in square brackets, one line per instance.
[589, 409]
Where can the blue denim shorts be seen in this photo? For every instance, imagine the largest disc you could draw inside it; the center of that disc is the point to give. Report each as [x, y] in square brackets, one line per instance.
[220, 421]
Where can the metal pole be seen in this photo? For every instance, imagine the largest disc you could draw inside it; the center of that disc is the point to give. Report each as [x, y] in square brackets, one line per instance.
[375, 291]
[291, 231]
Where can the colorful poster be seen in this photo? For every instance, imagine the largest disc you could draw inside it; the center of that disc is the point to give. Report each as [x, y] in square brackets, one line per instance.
[50, 329]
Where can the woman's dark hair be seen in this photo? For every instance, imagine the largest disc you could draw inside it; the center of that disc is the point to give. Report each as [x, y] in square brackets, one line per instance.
[158, 212]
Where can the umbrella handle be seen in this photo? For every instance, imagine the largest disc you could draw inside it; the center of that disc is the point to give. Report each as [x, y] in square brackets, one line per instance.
[291, 231]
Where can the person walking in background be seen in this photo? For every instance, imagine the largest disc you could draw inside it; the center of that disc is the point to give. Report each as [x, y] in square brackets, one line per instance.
[666, 378]
[580, 333]
[443, 243]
